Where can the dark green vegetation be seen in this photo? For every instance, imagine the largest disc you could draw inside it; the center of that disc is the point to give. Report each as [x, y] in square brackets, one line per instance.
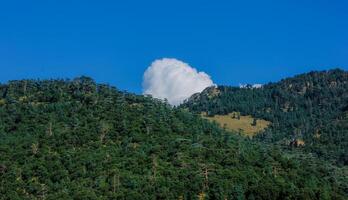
[75, 139]
[311, 107]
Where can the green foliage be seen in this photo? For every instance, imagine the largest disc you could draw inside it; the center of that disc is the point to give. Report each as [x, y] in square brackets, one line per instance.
[75, 139]
[311, 107]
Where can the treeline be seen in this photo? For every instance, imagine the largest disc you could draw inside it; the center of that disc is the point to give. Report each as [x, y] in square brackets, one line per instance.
[311, 108]
[75, 139]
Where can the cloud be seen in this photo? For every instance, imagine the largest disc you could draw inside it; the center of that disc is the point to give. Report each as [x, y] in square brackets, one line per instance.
[174, 80]
[257, 85]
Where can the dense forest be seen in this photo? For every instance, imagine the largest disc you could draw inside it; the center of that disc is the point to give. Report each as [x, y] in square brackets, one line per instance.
[75, 139]
[310, 108]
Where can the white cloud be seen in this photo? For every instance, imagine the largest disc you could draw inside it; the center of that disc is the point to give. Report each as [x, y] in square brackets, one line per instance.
[257, 85]
[174, 80]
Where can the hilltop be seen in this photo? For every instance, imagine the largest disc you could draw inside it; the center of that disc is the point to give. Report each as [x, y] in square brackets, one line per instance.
[307, 112]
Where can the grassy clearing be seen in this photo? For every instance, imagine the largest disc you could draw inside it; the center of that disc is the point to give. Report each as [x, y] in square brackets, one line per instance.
[242, 125]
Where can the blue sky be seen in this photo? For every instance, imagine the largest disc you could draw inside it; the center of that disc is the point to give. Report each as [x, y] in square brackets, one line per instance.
[115, 41]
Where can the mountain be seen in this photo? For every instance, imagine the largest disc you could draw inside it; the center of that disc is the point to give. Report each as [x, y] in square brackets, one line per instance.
[307, 112]
[76, 139]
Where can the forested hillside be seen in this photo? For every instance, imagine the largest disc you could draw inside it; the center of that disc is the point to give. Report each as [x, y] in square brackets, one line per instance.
[75, 139]
[308, 111]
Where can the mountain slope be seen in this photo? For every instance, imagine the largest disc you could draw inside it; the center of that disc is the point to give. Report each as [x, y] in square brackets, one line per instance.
[75, 139]
[309, 108]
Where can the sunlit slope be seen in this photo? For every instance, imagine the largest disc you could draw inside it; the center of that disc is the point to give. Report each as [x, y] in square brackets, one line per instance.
[245, 125]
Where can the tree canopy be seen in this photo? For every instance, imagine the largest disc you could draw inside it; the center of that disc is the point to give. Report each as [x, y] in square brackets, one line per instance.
[76, 139]
[311, 108]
